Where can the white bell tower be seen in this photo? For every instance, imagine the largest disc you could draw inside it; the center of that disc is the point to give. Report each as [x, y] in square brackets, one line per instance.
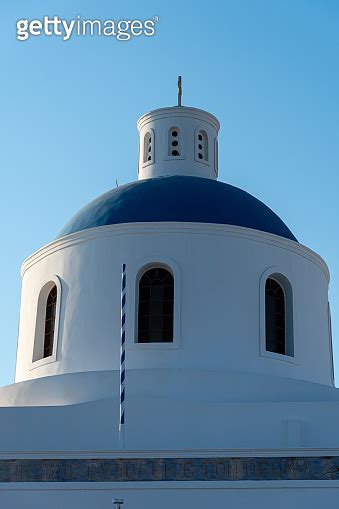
[178, 141]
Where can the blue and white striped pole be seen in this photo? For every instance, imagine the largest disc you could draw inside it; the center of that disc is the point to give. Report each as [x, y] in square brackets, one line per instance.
[122, 358]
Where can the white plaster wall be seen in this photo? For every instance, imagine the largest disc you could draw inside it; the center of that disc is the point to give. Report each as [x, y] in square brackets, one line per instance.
[171, 410]
[260, 495]
[219, 269]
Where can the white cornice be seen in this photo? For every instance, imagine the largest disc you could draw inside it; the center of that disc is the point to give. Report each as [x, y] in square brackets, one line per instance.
[155, 228]
[174, 453]
[178, 111]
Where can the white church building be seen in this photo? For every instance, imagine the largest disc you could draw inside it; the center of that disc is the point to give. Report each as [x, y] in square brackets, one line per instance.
[174, 348]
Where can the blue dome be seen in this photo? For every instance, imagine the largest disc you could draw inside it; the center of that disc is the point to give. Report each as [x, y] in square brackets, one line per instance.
[180, 199]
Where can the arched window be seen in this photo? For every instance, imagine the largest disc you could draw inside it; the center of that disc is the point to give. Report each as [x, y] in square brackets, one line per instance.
[47, 322]
[155, 306]
[275, 317]
[174, 142]
[148, 156]
[201, 145]
[50, 315]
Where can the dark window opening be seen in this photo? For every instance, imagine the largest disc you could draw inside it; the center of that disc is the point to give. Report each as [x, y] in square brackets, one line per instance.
[50, 322]
[148, 148]
[275, 317]
[155, 308]
[201, 146]
[174, 145]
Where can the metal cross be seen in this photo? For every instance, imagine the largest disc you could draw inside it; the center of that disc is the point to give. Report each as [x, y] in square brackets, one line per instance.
[118, 502]
[179, 90]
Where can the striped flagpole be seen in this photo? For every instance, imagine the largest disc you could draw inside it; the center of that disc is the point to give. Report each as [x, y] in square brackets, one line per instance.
[122, 358]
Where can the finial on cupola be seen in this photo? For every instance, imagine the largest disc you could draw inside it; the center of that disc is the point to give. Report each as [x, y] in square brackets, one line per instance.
[179, 90]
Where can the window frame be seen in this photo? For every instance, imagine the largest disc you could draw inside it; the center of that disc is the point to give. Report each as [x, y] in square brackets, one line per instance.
[284, 280]
[168, 272]
[181, 146]
[272, 278]
[144, 163]
[39, 332]
[207, 161]
[133, 279]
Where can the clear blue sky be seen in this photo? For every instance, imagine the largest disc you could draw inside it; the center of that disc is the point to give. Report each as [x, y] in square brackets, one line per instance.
[267, 69]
